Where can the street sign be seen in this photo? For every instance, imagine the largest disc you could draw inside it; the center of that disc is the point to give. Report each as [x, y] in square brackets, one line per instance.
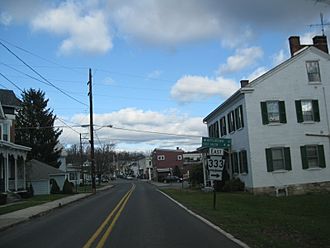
[215, 163]
[215, 175]
[216, 151]
[216, 142]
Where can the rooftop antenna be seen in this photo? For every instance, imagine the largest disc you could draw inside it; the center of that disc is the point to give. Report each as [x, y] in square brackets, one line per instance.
[322, 24]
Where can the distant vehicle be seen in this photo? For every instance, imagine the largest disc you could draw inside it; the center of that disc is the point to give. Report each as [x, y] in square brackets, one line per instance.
[129, 178]
[169, 179]
[113, 177]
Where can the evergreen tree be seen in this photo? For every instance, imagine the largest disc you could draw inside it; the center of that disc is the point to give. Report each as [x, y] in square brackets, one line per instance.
[35, 128]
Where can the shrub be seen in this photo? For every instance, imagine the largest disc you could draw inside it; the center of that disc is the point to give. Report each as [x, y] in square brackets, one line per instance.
[196, 176]
[55, 189]
[67, 187]
[3, 199]
[234, 185]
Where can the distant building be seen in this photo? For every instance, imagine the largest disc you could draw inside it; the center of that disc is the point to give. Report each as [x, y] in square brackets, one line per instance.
[164, 162]
[279, 123]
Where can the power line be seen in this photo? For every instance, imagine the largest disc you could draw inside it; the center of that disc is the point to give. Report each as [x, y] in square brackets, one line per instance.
[63, 92]
[11, 82]
[67, 125]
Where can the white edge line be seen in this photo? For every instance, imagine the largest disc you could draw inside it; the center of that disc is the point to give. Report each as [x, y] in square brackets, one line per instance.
[226, 234]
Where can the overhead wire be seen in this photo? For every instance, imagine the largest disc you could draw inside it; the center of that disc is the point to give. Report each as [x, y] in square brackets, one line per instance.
[63, 92]
[11, 82]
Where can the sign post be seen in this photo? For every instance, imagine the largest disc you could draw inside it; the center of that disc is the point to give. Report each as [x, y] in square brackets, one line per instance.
[215, 160]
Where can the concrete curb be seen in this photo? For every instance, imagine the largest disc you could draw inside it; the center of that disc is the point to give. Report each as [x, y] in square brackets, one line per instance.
[226, 234]
[17, 217]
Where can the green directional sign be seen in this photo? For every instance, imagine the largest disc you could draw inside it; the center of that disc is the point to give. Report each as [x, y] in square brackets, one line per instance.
[216, 142]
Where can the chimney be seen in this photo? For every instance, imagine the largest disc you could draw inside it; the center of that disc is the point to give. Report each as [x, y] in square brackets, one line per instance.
[294, 42]
[244, 83]
[321, 43]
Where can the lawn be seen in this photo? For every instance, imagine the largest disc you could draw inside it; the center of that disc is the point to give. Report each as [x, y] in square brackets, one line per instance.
[265, 221]
[30, 202]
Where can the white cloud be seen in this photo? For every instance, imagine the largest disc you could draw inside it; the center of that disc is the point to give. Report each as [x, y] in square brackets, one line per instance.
[194, 88]
[242, 59]
[84, 30]
[279, 57]
[154, 74]
[257, 73]
[108, 81]
[5, 18]
[125, 121]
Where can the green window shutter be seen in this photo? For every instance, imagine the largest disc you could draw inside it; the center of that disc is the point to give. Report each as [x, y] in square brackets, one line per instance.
[304, 157]
[287, 158]
[269, 159]
[316, 111]
[245, 165]
[321, 156]
[264, 113]
[242, 119]
[299, 111]
[281, 106]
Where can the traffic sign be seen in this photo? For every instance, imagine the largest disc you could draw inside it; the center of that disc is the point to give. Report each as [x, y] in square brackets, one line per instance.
[216, 151]
[216, 142]
[215, 175]
[215, 163]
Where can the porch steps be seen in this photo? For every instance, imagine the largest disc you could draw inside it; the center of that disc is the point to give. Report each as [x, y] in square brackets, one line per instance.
[13, 197]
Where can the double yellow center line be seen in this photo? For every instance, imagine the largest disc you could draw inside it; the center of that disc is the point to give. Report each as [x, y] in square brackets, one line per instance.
[108, 222]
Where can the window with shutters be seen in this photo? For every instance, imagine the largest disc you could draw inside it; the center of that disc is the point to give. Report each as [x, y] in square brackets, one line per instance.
[214, 130]
[278, 158]
[160, 157]
[243, 162]
[239, 117]
[273, 112]
[223, 128]
[313, 71]
[234, 160]
[312, 156]
[231, 121]
[307, 111]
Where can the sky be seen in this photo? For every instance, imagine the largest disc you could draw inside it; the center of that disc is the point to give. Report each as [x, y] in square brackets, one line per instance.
[158, 67]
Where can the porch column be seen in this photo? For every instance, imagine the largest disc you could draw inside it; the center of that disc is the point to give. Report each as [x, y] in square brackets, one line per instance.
[6, 160]
[16, 178]
[24, 174]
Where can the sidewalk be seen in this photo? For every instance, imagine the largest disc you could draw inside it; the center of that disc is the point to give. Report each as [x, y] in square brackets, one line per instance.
[23, 215]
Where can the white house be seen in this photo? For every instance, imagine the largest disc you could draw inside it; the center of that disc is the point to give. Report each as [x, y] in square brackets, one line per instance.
[279, 123]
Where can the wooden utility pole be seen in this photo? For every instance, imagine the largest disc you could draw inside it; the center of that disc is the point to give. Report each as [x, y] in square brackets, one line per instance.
[91, 126]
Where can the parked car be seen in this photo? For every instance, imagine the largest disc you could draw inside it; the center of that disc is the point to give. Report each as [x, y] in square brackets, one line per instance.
[129, 178]
[169, 179]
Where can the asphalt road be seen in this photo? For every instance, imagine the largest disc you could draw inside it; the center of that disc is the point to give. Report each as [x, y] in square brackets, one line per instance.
[133, 216]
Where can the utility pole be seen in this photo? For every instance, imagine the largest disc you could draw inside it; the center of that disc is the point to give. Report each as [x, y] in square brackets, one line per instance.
[91, 126]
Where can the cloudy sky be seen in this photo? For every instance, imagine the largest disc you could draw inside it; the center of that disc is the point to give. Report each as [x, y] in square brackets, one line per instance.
[159, 67]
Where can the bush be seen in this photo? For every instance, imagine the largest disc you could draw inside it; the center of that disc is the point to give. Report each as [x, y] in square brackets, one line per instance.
[55, 189]
[67, 187]
[3, 199]
[234, 185]
[196, 176]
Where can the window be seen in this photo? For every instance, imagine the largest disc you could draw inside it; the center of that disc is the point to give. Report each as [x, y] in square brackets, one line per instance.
[5, 134]
[239, 117]
[243, 162]
[307, 110]
[278, 159]
[231, 122]
[234, 162]
[313, 71]
[312, 156]
[72, 176]
[179, 157]
[273, 112]
[214, 130]
[161, 157]
[223, 128]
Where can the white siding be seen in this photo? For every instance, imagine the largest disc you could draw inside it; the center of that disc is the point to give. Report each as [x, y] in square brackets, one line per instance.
[289, 84]
[41, 187]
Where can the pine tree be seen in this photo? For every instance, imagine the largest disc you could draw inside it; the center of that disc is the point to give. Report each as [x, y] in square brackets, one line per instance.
[35, 128]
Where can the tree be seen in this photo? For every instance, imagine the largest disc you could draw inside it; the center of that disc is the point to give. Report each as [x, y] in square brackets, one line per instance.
[35, 128]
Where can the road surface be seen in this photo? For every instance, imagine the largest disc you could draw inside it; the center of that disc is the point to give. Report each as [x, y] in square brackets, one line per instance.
[131, 214]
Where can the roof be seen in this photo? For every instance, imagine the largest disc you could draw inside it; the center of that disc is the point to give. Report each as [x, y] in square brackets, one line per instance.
[37, 170]
[249, 86]
[8, 98]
